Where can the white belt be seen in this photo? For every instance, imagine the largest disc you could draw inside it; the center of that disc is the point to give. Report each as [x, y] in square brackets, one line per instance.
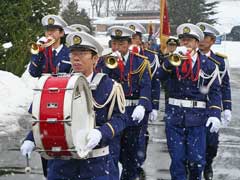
[98, 152]
[131, 102]
[187, 103]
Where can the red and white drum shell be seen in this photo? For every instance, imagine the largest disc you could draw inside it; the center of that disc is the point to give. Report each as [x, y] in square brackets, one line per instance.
[62, 115]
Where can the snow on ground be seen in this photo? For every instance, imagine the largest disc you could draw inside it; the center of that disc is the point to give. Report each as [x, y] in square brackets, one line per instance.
[14, 97]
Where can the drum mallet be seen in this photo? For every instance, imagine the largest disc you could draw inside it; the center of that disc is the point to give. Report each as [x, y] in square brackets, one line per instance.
[28, 169]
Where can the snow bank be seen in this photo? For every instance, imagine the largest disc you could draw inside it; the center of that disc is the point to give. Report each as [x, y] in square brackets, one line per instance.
[15, 98]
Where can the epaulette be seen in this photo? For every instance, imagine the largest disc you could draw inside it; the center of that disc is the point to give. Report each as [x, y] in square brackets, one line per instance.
[221, 55]
[151, 51]
[214, 60]
[142, 56]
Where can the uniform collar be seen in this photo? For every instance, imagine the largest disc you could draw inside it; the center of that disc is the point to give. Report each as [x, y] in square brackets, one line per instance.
[58, 49]
[126, 57]
[89, 78]
[208, 54]
[194, 58]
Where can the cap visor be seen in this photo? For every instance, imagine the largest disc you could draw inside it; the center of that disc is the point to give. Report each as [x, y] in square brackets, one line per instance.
[188, 36]
[82, 48]
[52, 26]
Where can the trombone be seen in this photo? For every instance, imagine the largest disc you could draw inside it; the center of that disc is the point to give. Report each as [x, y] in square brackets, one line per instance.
[35, 48]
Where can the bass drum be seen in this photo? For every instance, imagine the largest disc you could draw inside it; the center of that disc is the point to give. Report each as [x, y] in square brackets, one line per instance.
[62, 115]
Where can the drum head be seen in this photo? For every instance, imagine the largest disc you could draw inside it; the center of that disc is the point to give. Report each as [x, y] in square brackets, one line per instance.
[63, 115]
[83, 117]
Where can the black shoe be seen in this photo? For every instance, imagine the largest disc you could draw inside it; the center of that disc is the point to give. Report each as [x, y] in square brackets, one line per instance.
[142, 175]
[208, 172]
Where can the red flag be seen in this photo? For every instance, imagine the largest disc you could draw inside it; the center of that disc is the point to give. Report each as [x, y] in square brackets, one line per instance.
[164, 24]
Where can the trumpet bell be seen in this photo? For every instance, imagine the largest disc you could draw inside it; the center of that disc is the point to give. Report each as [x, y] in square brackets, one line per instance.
[35, 48]
[111, 62]
[176, 59]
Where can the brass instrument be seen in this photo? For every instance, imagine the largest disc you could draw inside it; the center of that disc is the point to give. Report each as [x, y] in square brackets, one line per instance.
[35, 48]
[176, 58]
[111, 62]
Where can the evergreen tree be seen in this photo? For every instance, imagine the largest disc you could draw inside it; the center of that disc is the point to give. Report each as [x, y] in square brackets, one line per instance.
[21, 24]
[190, 11]
[73, 16]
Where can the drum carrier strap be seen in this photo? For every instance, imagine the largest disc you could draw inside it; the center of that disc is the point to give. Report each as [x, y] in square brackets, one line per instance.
[116, 93]
[96, 80]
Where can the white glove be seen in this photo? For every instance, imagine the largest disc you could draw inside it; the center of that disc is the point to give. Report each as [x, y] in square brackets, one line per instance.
[27, 148]
[226, 117]
[93, 138]
[153, 115]
[138, 113]
[42, 40]
[216, 124]
[181, 50]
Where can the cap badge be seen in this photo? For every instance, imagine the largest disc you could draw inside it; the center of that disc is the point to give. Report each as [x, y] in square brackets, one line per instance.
[51, 21]
[186, 30]
[118, 32]
[77, 40]
[202, 27]
[132, 27]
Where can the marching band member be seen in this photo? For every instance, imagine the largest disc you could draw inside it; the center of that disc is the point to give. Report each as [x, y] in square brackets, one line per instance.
[194, 103]
[172, 44]
[84, 51]
[205, 45]
[145, 42]
[134, 73]
[52, 56]
[115, 145]
[81, 27]
[152, 56]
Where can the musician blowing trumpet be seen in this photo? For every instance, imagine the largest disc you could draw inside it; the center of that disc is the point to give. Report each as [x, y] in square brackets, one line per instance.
[49, 54]
[194, 103]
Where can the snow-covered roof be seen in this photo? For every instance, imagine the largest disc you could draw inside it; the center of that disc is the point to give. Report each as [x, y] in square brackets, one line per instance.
[112, 21]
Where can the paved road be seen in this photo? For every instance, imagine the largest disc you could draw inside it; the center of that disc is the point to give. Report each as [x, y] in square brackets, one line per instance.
[226, 165]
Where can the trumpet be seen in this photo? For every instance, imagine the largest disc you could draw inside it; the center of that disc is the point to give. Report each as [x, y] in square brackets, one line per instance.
[175, 59]
[182, 54]
[35, 48]
[111, 62]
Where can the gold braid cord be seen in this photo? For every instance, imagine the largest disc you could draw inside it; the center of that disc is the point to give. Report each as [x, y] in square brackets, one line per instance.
[145, 64]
